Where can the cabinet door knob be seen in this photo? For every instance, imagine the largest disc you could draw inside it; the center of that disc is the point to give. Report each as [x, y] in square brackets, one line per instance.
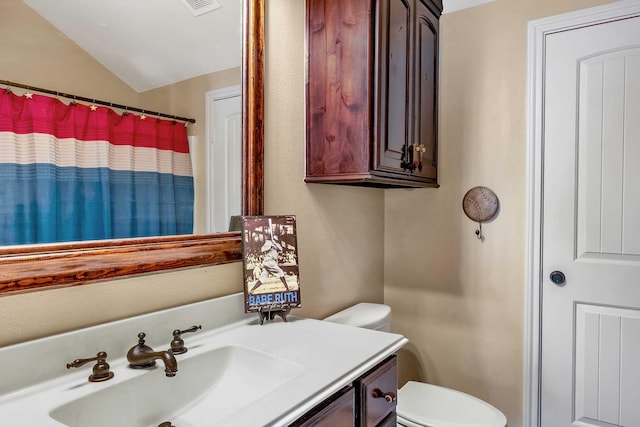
[388, 396]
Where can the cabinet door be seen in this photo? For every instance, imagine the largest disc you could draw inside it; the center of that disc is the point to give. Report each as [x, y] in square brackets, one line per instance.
[393, 84]
[377, 392]
[340, 70]
[425, 92]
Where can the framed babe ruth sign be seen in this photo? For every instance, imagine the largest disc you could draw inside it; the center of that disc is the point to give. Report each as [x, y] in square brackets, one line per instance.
[270, 265]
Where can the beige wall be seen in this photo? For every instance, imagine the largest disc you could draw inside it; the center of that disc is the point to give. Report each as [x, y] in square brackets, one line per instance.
[340, 228]
[460, 301]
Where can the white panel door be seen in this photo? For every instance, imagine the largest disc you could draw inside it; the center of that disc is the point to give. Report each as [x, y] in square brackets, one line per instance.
[590, 346]
[224, 157]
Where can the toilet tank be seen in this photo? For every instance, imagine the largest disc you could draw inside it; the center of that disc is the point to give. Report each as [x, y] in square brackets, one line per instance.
[364, 315]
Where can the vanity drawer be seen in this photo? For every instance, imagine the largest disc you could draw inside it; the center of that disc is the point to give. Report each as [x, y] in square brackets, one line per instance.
[338, 410]
[377, 392]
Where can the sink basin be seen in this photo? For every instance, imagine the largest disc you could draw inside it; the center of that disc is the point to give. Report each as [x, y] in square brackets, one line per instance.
[208, 386]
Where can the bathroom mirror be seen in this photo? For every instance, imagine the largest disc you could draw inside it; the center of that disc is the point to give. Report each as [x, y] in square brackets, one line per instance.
[39, 267]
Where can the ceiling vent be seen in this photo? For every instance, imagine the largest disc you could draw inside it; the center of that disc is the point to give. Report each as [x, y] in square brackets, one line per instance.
[199, 7]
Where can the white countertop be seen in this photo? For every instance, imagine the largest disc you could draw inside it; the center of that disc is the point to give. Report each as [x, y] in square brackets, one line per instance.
[331, 356]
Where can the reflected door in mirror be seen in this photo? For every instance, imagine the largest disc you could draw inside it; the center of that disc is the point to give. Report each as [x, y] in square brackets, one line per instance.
[224, 157]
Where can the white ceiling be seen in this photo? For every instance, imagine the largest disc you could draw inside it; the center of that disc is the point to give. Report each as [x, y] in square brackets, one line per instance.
[153, 43]
[150, 43]
[453, 5]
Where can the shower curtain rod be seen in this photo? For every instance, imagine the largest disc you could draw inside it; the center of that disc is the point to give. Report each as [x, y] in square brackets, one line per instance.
[95, 101]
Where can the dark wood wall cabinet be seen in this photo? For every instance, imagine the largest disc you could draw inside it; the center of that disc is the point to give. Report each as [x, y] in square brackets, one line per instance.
[372, 92]
[370, 401]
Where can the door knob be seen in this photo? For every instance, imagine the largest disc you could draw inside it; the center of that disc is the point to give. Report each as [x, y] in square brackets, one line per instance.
[558, 278]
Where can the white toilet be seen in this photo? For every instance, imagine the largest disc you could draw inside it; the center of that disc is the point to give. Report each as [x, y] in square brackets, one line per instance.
[420, 404]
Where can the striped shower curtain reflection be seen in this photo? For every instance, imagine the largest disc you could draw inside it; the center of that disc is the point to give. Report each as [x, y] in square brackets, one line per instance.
[78, 172]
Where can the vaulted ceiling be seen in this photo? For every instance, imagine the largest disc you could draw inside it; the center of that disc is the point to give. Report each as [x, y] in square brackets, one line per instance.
[150, 43]
[153, 43]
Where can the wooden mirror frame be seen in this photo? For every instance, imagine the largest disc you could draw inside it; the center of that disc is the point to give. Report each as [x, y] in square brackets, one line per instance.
[38, 267]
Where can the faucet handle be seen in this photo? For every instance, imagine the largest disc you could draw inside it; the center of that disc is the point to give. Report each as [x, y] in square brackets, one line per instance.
[141, 337]
[177, 343]
[101, 370]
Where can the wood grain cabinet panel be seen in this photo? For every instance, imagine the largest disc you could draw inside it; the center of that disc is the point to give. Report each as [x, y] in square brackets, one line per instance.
[372, 91]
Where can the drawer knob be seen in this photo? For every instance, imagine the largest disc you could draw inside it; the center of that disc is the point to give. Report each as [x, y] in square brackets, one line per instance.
[388, 396]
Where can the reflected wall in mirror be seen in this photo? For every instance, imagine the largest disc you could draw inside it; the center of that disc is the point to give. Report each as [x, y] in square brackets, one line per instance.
[37, 266]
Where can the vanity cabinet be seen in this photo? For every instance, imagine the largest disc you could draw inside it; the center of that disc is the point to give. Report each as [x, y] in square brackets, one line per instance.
[370, 401]
[372, 92]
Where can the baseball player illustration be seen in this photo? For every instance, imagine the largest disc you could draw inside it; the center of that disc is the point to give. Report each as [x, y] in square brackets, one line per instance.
[270, 251]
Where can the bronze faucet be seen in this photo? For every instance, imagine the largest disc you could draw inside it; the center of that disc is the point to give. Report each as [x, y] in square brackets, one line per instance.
[101, 370]
[142, 356]
[177, 343]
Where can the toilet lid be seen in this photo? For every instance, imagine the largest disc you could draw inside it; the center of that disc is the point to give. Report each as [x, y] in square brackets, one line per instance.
[434, 406]
[364, 315]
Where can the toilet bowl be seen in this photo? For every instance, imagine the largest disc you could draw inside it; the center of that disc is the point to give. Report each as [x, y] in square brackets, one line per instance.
[420, 404]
